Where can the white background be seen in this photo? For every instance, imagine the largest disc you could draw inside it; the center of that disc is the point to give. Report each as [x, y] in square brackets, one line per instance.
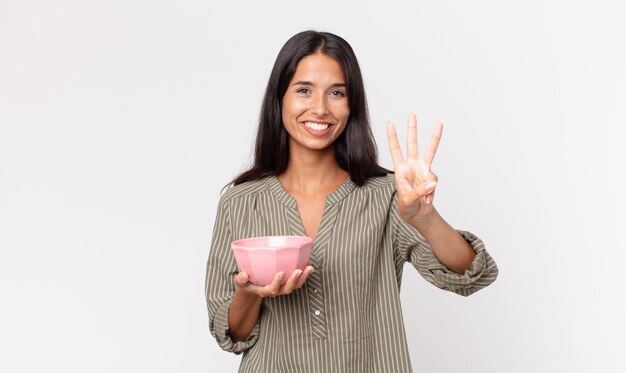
[120, 122]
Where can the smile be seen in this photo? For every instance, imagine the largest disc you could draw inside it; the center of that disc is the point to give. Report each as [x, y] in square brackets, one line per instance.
[317, 126]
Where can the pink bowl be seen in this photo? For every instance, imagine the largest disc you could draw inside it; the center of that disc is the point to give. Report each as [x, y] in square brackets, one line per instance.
[263, 257]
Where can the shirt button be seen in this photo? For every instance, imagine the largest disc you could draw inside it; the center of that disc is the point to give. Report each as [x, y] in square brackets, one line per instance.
[317, 312]
[315, 290]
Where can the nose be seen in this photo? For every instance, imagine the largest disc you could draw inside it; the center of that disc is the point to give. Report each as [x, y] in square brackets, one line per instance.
[319, 106]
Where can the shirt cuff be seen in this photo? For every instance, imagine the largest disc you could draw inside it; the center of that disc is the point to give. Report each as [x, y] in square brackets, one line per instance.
[482, 272]
[220, 329]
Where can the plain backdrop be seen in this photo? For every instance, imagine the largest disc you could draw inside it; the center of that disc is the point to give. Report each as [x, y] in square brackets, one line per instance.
[120, 122]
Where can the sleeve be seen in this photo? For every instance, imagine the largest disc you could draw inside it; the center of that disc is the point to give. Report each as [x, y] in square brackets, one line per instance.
[413, 248]
[219, 287]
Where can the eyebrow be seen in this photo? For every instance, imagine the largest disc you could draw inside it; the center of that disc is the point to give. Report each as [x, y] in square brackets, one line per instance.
[305, 82]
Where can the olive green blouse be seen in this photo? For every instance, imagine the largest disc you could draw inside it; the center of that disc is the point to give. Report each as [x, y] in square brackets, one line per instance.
[347, 317]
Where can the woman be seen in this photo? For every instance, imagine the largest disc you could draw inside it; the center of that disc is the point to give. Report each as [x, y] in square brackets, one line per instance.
[315, 173]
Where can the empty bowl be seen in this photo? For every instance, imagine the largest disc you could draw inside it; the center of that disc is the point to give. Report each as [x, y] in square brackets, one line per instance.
[263, 257]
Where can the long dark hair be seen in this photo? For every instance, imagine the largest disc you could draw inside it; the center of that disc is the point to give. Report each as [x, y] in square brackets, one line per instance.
[355, 148]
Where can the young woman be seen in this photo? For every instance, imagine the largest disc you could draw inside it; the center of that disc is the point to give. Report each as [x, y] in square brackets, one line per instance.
[315, 173]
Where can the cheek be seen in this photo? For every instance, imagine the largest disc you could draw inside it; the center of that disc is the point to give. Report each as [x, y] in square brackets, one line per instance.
[347, 114]
[285, 106]
[292, 107]
[342, 112]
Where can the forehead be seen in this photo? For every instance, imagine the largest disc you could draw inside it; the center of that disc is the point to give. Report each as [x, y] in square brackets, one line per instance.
[319, 67]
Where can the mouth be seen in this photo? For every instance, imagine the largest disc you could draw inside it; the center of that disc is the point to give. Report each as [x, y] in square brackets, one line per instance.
[317, 129]
[315, 126]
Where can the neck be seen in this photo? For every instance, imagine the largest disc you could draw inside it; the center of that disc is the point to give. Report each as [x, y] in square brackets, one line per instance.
[310, 170]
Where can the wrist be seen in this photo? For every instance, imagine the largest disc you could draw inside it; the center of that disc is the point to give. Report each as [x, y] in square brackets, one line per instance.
[242, 296]
[421, 222]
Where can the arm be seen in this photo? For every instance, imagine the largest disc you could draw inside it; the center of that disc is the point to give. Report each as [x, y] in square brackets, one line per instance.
[243, 314]
[234, 303]
[411, 246]
[450, 259]
[415, 185]
[246, 305]
[447, 244]
[220, 289]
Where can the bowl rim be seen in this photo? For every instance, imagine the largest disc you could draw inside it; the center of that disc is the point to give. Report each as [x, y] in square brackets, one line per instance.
[237, 243]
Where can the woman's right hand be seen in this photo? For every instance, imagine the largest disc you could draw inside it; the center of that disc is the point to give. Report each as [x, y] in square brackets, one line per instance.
[243, 313]
[295, 281]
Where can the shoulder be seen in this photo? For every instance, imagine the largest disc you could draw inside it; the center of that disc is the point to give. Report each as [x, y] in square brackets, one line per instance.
[244, 190]
[378, 187]
[386, 182]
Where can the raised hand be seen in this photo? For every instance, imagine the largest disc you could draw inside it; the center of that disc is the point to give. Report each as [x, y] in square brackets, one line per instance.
[415, 182]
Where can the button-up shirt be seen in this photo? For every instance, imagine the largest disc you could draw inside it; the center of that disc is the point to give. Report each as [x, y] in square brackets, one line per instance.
[347, 317]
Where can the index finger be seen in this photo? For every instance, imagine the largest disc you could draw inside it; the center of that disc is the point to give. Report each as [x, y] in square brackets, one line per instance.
[272, 289]
[431, 149]
[394, 145]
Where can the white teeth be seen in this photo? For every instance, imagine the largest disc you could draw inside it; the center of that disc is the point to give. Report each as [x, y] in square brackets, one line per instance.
[316, 126]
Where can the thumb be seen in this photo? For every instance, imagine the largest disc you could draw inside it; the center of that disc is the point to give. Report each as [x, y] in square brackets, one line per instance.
[428, 187]
[242, 279]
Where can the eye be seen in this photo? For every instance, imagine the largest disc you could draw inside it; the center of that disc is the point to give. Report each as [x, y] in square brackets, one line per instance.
[303, 90]
[338, 93]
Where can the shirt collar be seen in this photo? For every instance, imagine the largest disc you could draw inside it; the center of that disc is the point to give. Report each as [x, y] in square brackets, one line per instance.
[276, 188]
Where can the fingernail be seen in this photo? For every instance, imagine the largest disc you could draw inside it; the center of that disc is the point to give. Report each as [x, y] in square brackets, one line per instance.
[281, 275]
[298, 273]
[430, 185]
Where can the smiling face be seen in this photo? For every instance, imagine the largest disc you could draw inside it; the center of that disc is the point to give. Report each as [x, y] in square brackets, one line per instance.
[315, 107]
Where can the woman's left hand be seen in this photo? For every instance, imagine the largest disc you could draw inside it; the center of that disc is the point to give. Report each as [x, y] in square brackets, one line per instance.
[415, 182]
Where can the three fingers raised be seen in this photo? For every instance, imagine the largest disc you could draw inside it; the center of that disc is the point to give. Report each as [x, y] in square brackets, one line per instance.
[412, 147]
